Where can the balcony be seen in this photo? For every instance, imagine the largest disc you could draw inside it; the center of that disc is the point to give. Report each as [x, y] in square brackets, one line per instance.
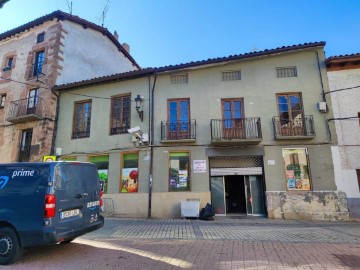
[287, 129]
[25, 110]
[175, 131]
[238, 131]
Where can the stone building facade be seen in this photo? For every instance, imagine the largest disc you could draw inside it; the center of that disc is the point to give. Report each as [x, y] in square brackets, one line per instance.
[56, 48]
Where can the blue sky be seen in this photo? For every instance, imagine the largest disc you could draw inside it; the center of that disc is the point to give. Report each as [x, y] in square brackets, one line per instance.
[168, 32]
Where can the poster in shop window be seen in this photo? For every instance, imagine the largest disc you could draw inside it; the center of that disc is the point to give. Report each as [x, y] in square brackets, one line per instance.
[130, 180]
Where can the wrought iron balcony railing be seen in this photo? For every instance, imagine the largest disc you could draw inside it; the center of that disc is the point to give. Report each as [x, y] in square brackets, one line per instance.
[239, 129]
[178, 130]
[293, 128]
[24, 153]
[81, 134]
[24, 110]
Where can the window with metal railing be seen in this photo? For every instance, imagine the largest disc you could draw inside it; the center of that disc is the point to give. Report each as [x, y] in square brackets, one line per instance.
[231, 75]
[179, 79]
[82, 119]
[284, 72]
[120, 114]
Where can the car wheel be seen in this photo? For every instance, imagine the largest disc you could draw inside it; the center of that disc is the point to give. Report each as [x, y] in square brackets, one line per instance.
[10, 249]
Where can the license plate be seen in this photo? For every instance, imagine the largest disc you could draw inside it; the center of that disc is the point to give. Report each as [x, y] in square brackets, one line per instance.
[69, 213]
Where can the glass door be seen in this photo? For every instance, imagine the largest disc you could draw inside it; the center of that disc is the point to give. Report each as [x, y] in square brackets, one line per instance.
[218, 194]
[254, 195]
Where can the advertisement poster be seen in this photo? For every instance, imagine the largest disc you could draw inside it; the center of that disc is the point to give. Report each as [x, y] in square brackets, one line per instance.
[129, 180]
[183, 176]
[103, 175]
[290, 176]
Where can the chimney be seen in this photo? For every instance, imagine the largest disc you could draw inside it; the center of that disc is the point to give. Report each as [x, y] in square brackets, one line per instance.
[116, 36]
[126, 47]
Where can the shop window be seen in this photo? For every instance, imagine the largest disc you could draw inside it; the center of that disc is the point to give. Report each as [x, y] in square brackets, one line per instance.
[297, 169]
[179, 173]
[68, 158]
[102, 163]
[130, 173]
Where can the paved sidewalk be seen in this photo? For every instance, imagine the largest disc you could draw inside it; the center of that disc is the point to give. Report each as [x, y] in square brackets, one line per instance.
[223, 243]
[249, 229]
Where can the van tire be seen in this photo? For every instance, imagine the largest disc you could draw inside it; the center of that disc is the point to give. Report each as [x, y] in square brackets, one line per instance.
[10, 249]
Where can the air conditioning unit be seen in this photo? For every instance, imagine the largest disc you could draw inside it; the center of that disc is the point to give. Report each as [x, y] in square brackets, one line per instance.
[322, 106]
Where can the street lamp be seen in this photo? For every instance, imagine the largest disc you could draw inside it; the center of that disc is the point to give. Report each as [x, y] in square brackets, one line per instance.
[138, 103]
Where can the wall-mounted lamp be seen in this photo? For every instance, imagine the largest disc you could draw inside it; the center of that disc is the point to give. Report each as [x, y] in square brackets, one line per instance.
[138, 103]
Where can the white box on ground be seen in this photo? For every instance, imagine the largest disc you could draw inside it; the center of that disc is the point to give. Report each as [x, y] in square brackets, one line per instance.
[190, 208]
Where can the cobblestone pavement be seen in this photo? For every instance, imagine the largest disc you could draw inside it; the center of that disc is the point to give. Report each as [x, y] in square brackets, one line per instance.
[223, 243]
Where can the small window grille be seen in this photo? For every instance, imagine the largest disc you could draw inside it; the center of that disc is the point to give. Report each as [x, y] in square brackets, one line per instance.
[40, 37]
[179, 79]
[284, 72]
[233, 75]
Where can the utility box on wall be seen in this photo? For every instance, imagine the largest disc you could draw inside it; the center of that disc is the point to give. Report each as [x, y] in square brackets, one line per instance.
[190, 208]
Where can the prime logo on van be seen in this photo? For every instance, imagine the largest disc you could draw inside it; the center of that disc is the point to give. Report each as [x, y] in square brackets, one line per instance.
[3, 181]
[22, 173]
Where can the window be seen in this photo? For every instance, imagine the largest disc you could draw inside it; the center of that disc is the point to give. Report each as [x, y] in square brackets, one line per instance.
[179, 79]
[25, 145]
[40, 37]
[2, 100]
[232, 118]
[179, 173]
[8, 63]
[179, 118]
[33, 101]
[290, 114]
[120, 114]
[283, 72]
[232, 75]
[130, 173]
[102, 163]
[296, 169]
[82, 120]
[38, 64]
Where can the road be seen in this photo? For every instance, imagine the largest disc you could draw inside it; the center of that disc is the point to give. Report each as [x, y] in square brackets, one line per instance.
[223, 243]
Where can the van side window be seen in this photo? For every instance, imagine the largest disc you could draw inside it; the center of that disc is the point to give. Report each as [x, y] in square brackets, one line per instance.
[70, 179]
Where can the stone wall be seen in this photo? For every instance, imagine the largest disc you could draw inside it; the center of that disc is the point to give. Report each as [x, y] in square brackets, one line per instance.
[311, 205]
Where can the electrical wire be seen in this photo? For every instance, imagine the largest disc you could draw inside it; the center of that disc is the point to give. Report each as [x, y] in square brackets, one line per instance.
[341, 89]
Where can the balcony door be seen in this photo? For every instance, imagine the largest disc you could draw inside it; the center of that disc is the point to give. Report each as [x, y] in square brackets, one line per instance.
[25, 145]
[32, 101]
[291, 114]
[233, 118]
[179, 119]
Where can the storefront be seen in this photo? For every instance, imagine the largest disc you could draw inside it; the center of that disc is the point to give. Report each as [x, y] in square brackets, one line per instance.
[237, 183]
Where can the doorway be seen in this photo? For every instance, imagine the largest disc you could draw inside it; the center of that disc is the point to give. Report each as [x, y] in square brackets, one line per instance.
[238, 195]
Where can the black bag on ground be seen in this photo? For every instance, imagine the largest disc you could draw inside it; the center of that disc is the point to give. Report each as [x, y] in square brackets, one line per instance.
[207, 212]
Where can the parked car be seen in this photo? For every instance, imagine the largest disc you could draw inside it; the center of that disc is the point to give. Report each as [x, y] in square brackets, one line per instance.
[46, 203]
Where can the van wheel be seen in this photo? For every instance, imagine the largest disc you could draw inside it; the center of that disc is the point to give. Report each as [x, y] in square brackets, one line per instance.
[10, 249]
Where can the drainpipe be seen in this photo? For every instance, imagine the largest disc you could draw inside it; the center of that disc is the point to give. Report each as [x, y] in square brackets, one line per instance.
[151, 124]
[52, 151]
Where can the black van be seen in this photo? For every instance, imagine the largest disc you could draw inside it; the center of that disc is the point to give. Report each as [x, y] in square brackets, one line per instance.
[46, 203]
